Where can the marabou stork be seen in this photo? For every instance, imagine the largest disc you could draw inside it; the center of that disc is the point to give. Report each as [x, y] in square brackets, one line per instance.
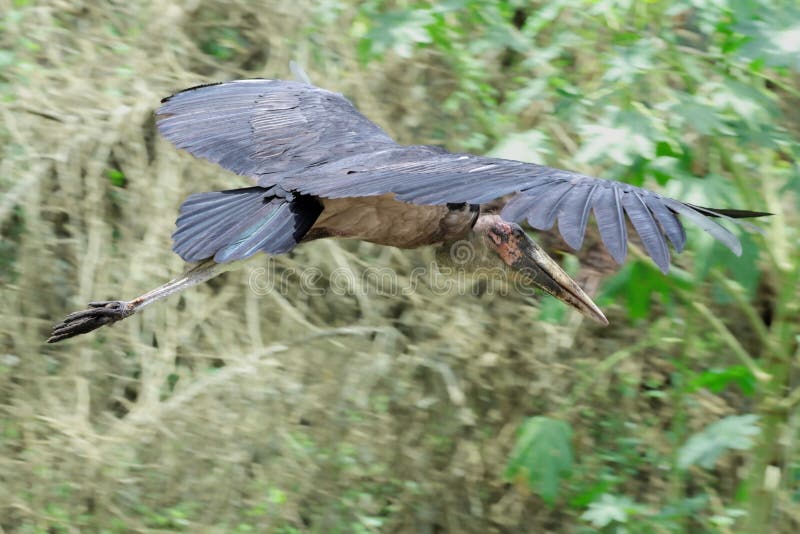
[321, 169]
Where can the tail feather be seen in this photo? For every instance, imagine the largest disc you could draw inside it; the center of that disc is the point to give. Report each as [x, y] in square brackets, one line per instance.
[235, 224]
[209, 223]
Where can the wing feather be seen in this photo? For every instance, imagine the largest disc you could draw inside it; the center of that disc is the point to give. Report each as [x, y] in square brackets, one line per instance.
[517, 208]
[669, 222]
[573, 214]
[542, 212]
[232, 225]
[267, 129]
[646, 226]
[719, 233]
[611, 221]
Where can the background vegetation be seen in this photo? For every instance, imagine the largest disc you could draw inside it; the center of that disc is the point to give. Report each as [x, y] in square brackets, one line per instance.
[225, 411]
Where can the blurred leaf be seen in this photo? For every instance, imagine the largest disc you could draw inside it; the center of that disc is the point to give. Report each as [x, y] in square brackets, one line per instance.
[542, 455]
[116, 177]
[610, 509]
[775, 38]
[727, 519]
[717, 380]
[683, 508]
[746, 102]
[399, 31]
[276, 496]
[543, 15]
[590, 493]
[624, 136]
[529, 146]
[224, 43]
[527, 95]
[711, 189]
[552, 310]
[744, 269]
[638, 282]
[705, 448]
[630, 61]
[702, 117]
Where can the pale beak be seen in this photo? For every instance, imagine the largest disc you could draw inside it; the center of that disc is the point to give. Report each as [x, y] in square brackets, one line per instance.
[525, 256]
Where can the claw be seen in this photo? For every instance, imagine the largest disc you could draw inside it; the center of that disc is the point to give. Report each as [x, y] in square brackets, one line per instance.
[100, 313]
[106, 303]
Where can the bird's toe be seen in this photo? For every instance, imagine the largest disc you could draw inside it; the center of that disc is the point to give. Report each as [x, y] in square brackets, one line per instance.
[98, 314]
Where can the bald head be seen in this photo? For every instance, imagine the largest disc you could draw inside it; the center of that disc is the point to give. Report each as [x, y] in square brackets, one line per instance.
[496, 243]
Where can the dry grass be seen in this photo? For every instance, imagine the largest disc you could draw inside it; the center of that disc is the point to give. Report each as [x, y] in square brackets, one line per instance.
[223, 409]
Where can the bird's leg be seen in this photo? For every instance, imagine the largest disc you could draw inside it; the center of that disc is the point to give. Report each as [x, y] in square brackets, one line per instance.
[107, 312]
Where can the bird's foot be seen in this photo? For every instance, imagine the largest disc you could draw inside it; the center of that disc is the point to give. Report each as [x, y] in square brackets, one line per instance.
[99, 314]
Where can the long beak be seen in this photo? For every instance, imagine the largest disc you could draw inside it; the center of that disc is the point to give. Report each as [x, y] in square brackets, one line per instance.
[532, 262]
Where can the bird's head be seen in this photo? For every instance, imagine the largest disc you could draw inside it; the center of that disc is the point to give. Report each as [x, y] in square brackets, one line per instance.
[504, 247]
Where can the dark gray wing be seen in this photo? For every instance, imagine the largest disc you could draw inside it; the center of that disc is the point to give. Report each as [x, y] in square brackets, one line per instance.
[315, 142]
[544, 196]
[267, 129]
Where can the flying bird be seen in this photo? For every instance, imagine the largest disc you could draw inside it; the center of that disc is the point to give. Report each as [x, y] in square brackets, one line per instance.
[321, 169]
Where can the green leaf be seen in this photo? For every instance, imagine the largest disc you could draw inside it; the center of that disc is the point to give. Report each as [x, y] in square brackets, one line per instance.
[743, 101]
[224, 43]
[624, 136]
[542, 455]
[529, 146]
[400, 31]
[277, 496]
[116, 177]
[552, 311]
[630, 61]
[591, 493]
[704, 118]
[717, 380]
[682, 508]
[744, 269]
[610, 509]
[705, 448]
[638, 283]
[775, 39]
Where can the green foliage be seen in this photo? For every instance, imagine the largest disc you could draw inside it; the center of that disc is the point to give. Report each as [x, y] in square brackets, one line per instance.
[707, 446]
[718, 380]
[772, 34]
[116, 177]
[219, 411]
[542, 455]
[639, 284]
[610, 509]
[224, 43]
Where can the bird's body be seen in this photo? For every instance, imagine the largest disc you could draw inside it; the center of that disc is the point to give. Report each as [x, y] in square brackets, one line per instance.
[321, 169]
[383, 220]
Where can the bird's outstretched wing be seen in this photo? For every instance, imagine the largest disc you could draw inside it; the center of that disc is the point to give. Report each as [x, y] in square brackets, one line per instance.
[267, 129]
[315, 142]
[544, 195]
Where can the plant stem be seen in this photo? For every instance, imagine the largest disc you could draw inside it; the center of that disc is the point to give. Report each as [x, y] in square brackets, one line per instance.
[774, 407]
[733, 343]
